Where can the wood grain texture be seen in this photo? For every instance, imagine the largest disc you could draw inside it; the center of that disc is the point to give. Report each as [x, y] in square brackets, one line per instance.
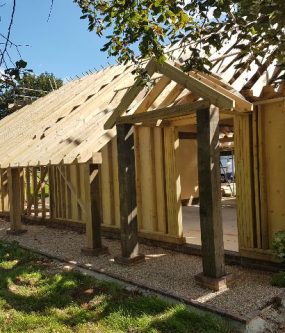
[210, 193]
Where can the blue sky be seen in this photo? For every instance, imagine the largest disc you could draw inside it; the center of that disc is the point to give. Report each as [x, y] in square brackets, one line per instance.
[62, 46]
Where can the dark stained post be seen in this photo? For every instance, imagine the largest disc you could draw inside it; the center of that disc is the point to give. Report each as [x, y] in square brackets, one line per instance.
[15, 199]
[93, 224]
[128, 202]
[213, 275]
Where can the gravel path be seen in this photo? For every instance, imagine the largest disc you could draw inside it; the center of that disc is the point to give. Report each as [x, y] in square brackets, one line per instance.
[163, 270]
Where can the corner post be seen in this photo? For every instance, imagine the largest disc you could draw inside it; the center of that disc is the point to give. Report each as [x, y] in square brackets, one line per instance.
[128, 202]
[15, 199]
[213, 275]
[94, 220]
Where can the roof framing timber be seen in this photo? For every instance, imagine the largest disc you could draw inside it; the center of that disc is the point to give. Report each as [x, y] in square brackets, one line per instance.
[208, 88]
[164, 113]
[130, 95]
[196, 86]
[241, 104]
[96, 159]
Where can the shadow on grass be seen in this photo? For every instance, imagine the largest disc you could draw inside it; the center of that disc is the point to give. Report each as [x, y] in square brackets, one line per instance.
[31, 283]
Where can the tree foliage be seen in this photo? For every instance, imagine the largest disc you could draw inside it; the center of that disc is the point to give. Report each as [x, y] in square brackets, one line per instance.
[24, 87]
[202, 26]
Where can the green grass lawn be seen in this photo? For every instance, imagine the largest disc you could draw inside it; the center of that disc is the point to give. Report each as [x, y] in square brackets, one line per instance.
[36, 296]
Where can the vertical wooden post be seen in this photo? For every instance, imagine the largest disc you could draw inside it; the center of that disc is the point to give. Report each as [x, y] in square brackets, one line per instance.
[4, 190]
[14, 188]
[94, 220]
[52, 198]
[127, 190]
[210, 199]
[173, 185]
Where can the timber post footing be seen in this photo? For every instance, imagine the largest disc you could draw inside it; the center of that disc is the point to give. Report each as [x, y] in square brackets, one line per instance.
[130, 261]
[16, 232]
[95, 252]
[216, 284]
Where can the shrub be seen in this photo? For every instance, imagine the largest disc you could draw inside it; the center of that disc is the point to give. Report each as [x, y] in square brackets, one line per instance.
[278, 244]
[278, 280]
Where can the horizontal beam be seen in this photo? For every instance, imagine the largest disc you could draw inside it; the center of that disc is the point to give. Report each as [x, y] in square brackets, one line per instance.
[198, 88]
[164, 113]
[187, 136]
[95, 159]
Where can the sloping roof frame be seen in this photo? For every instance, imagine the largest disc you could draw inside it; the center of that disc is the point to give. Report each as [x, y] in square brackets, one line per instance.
[200, 85]
[42, 133]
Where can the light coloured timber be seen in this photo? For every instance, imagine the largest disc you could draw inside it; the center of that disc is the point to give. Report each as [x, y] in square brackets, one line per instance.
[116, 194]
[164, 113]
[172, 184]
[147, 183]
[68, 117]
[106, 186]
[241, 104]
[197, 87]
[159, 170]
[14, 189]
[151, 97]
[71, 187]
[130, 96]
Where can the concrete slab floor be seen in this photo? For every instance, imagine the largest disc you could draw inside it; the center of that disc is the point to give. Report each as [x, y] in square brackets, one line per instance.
[191, 224]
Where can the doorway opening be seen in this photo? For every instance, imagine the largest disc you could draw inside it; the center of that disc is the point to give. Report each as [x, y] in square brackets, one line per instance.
[187, 165]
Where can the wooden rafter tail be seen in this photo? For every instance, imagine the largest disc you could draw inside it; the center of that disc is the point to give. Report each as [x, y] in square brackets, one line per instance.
[95, 158]
[130, 96]
[164, 113]
[196, 86]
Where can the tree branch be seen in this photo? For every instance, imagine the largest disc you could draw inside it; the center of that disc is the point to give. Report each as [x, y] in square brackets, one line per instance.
[8, 34]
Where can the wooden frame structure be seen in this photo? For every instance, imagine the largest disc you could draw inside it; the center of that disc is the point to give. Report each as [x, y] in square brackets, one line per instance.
[55, 146]
[208, 160]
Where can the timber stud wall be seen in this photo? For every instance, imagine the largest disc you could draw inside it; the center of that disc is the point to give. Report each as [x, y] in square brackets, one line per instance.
[158, 184]
[260, 163]
[59, 193]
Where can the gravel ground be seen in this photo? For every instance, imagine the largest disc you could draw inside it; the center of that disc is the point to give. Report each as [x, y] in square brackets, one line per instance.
[163, 270]
[275, 319]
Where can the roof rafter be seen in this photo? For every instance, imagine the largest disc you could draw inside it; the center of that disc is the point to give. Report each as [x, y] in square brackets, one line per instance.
[130, 96]
[196, 86]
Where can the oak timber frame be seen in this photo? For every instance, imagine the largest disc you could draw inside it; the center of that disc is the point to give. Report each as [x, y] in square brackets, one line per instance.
[208, 154]
[259, 214]
[74, 195]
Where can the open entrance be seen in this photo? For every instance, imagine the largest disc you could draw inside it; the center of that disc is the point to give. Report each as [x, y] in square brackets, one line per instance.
[188, 168]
